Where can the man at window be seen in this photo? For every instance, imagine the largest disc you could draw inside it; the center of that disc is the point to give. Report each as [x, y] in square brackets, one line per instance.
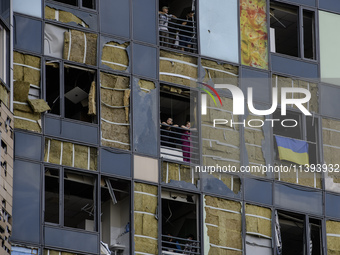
[164, 19]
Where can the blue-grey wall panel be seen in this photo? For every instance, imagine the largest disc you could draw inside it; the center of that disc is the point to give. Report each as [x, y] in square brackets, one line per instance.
[145, 120]
[144, 60]
[72, 240]
[27, 34]
[26, 203]
[115, 163]
[71, 130]
[298, 198]
[144, 20]
[329, 101]
[294, 67]
[331, 5]
[332, 205]
[260, 83]
[258, 191]
[115, 17]
[27, 145]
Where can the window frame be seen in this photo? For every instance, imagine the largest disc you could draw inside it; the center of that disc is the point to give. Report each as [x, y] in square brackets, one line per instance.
[61, 205]
[62, 112]
[3, 53]
[79, 5]
[300, 31]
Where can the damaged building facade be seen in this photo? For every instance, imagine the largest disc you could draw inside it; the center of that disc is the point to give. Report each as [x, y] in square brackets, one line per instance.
[102, 129]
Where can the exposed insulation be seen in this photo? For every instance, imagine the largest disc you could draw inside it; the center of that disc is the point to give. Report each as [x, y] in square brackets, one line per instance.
[20, 91]
[177, 172]
[30, 121]
[26, 72]
[145, 223]
[224, 225]
[69, 154]
[181, 70]
[4, 95]
[333, 242]
[258, 225]
[38, 105]
[220, 73]
[281, 82]
[115, 111]
[146, 86]
[62, 16]
[80, 47]
[220, 144]
[115, 55]
[92, 100]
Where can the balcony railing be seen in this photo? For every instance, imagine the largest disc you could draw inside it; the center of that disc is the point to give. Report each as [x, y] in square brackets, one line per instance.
[175, 245]
[179, 36]
[179, 144]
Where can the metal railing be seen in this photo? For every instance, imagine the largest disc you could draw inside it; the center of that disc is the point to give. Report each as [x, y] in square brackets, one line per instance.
[175, 245]
[180, 144]
[178, 36]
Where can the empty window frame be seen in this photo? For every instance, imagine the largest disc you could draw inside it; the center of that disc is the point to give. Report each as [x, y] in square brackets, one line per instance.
[178, 25]
[90, 4]
[3, 53]
[306, 130]
[70, 199]
[180, 223]
[292, 30]
[179, 136]
[75, 97]
[295, 234]
[115, 221]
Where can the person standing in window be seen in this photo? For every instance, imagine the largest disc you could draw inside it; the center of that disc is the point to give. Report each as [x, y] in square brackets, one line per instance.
[164, 19]
[186, 141]
[187, 31]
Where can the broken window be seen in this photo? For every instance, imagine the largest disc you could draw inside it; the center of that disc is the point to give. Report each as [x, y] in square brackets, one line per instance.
[91, 4]
[302, 140]
[77, 202]
[177, 172]
[79, 99]
[115, 222]
[285, 26]
[179, 135]
[178, 25]
[295, 234]
[180, 223]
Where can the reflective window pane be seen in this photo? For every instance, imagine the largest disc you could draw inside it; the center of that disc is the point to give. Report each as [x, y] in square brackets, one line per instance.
[27, 34]
[219, 29]
[32, 7]
[115, 17]
[144, 20]
[144, 62]
[4, 9]
[27, 146]
[26, 205]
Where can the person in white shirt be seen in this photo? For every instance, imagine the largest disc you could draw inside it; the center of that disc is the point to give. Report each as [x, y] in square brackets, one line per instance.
[164, 19]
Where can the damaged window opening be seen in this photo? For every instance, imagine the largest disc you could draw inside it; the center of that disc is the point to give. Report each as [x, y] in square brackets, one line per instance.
[285, 26]
[180, 223]
[305, 133]
[91, 4]
[115, 222]
[79, 97]
[291, 235]
[179, 135]
[177, 25]
[78, 203]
